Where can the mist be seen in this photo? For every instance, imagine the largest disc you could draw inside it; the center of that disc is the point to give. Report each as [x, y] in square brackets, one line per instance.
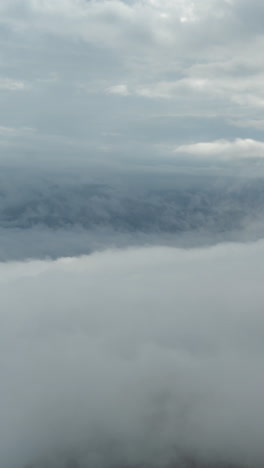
[131, 234]
[138, 357]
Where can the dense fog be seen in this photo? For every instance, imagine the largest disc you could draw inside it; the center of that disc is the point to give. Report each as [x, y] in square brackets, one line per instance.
[142, 357]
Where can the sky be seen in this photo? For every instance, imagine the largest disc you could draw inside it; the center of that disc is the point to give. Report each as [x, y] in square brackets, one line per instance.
[131, 233]
[136, 83]
[113, 112]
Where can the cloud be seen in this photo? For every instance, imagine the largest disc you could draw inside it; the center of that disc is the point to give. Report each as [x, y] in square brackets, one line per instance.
[144, 356]
[120, 89]
[9, 84]
[257, 123]
[15, 132]
[77, 59]
[131, 123]
[239, 148]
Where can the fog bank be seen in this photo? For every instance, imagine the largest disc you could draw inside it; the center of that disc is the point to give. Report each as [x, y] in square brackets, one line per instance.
[139, 357]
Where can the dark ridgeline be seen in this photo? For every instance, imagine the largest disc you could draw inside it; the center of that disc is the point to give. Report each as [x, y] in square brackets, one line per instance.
[173, 207]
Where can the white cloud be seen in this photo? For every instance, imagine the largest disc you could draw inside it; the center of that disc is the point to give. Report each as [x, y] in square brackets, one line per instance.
[123, 356]
[9, 84]
[120, 89]
[15, 131]
[239, 148]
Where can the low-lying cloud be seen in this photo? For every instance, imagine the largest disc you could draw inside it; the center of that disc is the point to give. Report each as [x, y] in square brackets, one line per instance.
[142, 357]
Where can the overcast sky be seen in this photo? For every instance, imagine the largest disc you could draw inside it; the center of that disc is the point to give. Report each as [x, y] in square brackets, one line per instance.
[132, 95]
[131, 82]
[133, 128]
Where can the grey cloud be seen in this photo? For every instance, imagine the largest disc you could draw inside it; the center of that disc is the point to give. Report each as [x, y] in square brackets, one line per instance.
[45, 214]
[147, 357]
[140, 357]
[70, 54]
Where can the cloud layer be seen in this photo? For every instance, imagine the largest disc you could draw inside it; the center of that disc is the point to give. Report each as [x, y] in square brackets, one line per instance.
[128, 123]
[143, 357]
[101, 81]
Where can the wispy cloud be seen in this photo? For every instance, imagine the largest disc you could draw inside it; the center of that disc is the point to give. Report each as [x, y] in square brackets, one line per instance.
[9, 84]
[239, 148]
